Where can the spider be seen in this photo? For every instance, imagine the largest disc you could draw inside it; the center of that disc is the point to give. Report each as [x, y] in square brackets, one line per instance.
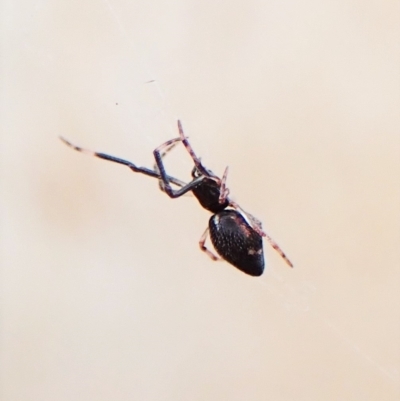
[235, 234]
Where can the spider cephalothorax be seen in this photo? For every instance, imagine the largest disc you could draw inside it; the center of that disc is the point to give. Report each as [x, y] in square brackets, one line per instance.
[235, 234]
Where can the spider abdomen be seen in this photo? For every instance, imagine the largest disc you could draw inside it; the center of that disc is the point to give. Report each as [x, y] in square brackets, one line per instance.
[237, 242]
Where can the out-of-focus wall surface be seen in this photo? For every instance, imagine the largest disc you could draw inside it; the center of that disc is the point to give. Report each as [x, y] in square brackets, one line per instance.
[105, 294]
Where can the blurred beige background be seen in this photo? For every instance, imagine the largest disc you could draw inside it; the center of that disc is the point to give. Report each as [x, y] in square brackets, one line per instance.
[104, 292]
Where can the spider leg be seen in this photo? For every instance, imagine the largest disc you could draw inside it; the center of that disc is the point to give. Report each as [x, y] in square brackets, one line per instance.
[251, 220]
[196, 159]
[256, 226]
[166, 181]
[205, 249]
[278, 249]
[133, 167]
[166, 151]
[224, 191]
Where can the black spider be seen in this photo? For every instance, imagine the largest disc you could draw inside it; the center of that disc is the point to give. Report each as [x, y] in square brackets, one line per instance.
[235, 234]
